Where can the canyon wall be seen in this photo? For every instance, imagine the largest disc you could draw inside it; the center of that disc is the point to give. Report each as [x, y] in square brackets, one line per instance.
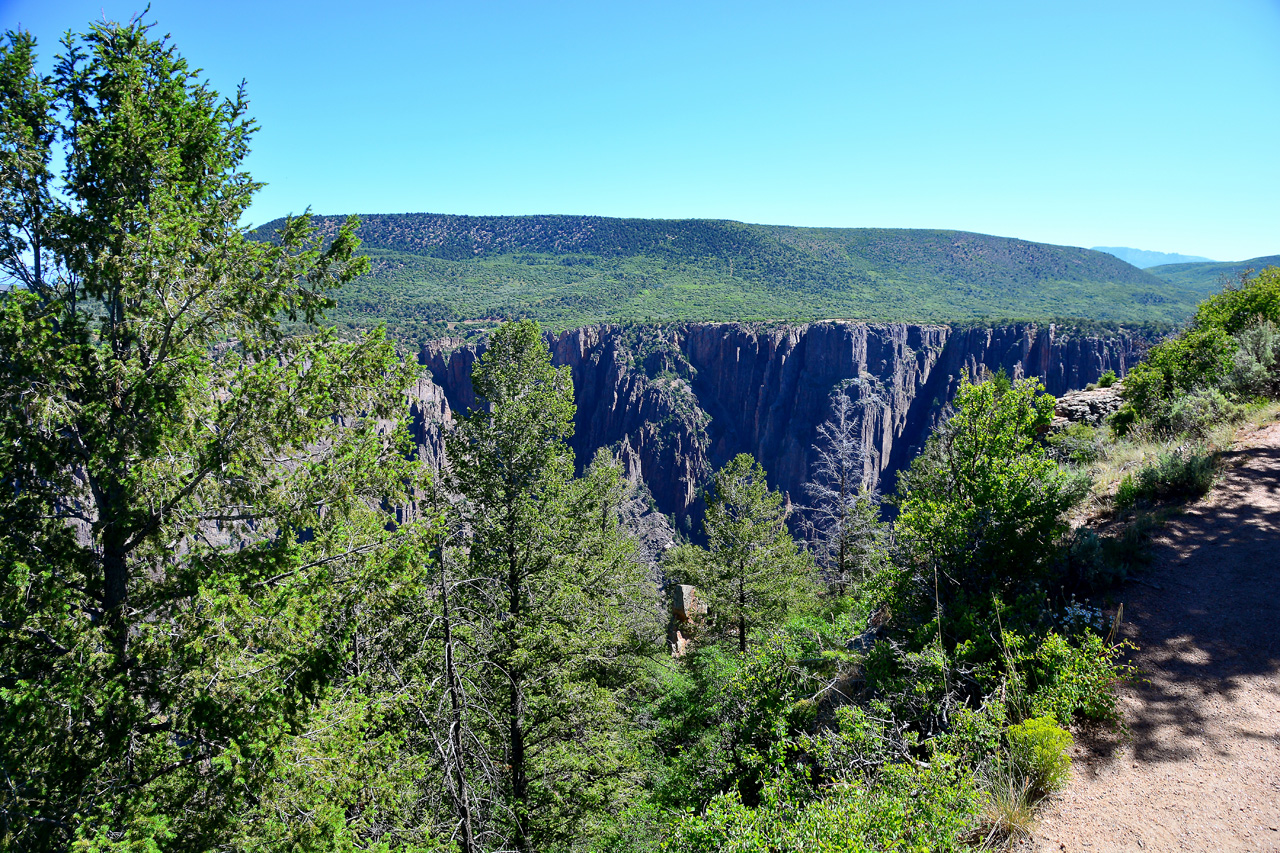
[677, 401]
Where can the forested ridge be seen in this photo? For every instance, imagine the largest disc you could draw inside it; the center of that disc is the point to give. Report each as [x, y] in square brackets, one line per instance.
[238, 612]
[1208, 278]
[429, 270]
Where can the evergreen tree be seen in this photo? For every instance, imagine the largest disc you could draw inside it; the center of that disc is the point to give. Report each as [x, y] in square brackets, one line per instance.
[192, 497]
[752, 571]
[559, 591]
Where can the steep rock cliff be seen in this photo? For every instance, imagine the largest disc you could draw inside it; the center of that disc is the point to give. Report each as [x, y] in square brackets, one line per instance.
[677, 401]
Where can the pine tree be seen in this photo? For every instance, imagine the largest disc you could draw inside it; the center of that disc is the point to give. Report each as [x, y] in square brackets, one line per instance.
[752, 571]
[560, 593]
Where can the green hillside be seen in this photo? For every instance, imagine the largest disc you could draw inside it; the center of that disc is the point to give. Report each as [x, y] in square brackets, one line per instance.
[1207, 279]
[429, 270]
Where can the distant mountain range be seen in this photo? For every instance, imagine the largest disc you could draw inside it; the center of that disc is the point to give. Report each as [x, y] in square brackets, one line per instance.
[1142, 259]
[432, 272]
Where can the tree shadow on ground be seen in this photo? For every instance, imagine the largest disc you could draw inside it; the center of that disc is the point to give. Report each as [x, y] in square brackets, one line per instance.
[1206, 618]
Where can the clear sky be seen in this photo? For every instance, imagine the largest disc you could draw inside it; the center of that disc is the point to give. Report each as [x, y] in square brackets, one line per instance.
[1154, 125]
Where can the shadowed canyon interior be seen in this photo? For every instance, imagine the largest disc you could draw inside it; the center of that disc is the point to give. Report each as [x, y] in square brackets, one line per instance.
[677, 401]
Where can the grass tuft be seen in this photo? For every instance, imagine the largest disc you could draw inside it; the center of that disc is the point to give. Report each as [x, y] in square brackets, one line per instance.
[1008, 809]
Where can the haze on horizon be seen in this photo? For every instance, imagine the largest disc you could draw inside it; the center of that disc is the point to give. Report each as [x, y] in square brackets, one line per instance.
[1142, 124]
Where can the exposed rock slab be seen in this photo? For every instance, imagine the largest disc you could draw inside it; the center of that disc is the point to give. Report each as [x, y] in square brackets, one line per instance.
[1088, 407]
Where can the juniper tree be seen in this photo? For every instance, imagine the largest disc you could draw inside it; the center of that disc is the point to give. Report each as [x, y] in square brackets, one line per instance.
[185, 529]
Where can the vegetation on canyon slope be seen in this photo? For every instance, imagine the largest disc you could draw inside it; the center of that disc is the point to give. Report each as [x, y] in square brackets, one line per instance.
[235, 614]
[1209, 277]
[429, 271]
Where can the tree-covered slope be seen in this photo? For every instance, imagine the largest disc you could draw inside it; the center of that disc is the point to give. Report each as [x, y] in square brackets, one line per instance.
[430, 269]
[1208, 279]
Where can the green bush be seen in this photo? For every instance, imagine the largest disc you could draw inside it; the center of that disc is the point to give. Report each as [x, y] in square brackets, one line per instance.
[1180, 473]
[1107, 379]
[981, 511]
[974, 735]
[1253, 368]
[1068, 680]
[1096, 563]
[1092, 563]
[1200, 357]
[1123, 419]
[908, 807]
[859, 746]
[722, 718]
[1235, 309]
[1197, 413]
[1038, 748]
[1231, 345]
[1077, 444]
[1131, 548]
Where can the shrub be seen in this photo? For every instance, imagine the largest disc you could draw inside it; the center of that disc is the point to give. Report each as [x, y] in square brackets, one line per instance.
[981, 509]
[1077, 444]
[1253, 367]
[1180, 473]
[1123, 419]
[1092, 563]
[1198, 358]
[1237, 308]
[1132, 547]
[1208, 353]
[1067, 680]
[858, 747]
[1095, 563]
[908, 807]
[974, 735]
[1197, 413]
[1127, 492]
[1107, 379]
[1038, 748]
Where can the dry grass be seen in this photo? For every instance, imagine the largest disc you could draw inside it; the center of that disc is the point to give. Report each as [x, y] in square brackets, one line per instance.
[1127, 454]
[1263, 415]
[1120, 456]
[1008, 812]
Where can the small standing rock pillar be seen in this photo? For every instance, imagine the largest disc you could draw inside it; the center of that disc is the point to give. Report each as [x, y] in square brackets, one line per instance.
[687, 608]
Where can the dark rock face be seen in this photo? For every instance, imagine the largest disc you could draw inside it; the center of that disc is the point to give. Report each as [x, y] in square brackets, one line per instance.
[678, 401]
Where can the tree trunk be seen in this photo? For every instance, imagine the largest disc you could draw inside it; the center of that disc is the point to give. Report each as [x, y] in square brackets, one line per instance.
[519, 773]
[463, 798]
[742, 611]
[115, 579]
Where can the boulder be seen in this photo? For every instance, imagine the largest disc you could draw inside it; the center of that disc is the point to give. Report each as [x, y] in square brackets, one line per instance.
[1088, 407]
[686, 603]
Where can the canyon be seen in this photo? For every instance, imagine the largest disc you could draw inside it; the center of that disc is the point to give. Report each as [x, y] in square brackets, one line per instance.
[676, 401]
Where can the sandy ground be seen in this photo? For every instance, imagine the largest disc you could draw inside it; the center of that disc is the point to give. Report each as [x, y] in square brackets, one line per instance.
[1200, 769]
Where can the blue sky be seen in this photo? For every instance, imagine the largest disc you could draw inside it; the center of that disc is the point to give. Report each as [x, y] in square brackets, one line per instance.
[1122, 123]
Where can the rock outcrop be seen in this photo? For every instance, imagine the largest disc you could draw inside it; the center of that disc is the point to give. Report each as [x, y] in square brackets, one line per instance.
[676, 401]
[1090, 407]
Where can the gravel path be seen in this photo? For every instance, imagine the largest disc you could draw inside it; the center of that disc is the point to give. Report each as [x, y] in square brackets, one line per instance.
[1201, 770]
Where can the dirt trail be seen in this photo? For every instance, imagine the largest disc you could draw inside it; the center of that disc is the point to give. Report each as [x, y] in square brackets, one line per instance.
[1202, 768]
